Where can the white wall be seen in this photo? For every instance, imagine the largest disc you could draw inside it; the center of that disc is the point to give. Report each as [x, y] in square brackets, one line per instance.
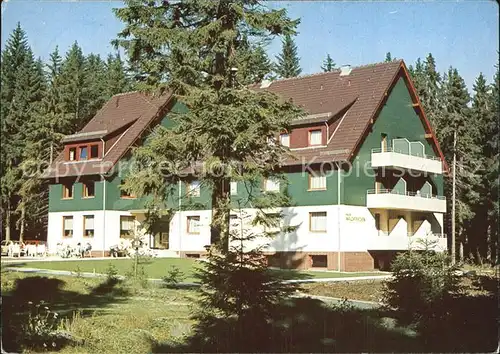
[111, 230]
[357, 230]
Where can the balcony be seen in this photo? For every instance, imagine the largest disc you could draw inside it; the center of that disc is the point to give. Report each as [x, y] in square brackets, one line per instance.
[437, 242]
[409, 155]
[402, 200]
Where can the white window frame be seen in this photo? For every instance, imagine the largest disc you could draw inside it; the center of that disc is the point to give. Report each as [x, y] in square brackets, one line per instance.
[194, 188]
[72, 229]
[233, 187]
[85, 227]
[310, 139]
[286, 141]
[317, 181]
[132, 220]
[271, 185]
[193, 229]
[316, 225]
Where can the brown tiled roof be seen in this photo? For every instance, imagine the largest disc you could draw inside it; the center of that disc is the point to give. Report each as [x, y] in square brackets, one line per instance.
[322, 96]
[329, 92]
[132, 109]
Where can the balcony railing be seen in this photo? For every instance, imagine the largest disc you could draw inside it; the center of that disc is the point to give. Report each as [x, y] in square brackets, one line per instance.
[409, 194]
[399, 151]
[404, 200]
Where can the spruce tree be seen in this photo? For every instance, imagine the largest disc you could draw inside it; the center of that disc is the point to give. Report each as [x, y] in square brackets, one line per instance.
[73, 87]
[388, 57]
[328, 64]
[227, 127]
[457, 118]
[116, 80]
[95, 86]
[288, 62]
[252, 62]
[14, 57]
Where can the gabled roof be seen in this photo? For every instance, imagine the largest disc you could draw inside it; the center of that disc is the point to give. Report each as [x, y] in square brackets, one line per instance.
[123, 119]
[360, 94]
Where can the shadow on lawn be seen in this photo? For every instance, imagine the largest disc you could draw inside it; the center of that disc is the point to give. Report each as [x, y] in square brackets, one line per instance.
[16, 307]
[298, 325]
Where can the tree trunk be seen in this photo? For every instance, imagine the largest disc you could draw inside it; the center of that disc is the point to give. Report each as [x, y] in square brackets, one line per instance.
[219, 229]
[22, 222]
[7, 221]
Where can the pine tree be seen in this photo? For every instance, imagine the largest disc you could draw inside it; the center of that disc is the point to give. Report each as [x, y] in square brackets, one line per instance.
[95, 86]
[288, 62]
[252, 62]
[73, 87]
[14, 56]
[328, 64]
[116, 80]
[227, 125]
[457, 118]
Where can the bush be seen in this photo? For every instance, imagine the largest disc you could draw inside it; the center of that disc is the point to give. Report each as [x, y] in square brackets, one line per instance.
[111, 272]
[174, 277]
[422, 284]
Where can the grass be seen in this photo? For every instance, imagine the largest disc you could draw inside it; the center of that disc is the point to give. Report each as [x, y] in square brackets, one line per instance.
[158, 268]
[122, 317]
[365, 290]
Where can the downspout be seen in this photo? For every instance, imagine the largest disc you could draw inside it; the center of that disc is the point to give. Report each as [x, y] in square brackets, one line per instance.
[103, 204]
[339, 175]
[103, 215]
[327, 131]
[180, 219]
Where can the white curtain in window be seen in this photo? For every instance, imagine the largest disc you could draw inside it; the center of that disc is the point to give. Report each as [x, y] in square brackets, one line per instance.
[89, 223]
[68, 223]
[285, 140]
[318, 181]
[194, 188]
[127, 223]
[234, 188]
[194, 224]
[318, 221]
[272, 185]
[315, 137]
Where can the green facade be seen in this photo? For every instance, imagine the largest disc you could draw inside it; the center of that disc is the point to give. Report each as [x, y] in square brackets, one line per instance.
[397, 119]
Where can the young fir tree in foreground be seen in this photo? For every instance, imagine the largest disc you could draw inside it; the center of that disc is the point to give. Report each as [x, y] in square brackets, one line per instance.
[227, 127]
[328, 64]
[288, 62]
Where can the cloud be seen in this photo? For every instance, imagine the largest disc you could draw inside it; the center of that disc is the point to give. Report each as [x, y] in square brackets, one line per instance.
[393, 12]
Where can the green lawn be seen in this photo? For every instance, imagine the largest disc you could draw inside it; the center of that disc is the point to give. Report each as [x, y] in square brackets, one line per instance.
[158, 268]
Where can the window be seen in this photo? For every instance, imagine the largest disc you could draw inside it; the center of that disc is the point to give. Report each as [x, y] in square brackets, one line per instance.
[88, 226]
[83, 153]
[68, 191]
[125, 194]
[315, 137]
[285, 140]
[193, 188]
[193, 224]
[94, 151]
[72, 154]
[88, 189]
[234, 188]
[319, 261]
[317, 181]
[127, 226]
[317, 221]
[67, 226]
[271, 185]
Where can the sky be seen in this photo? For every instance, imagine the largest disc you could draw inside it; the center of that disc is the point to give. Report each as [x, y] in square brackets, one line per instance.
[463, 34]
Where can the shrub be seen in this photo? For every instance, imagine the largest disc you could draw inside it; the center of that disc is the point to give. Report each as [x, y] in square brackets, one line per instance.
[421, 285]
[111, 272]
[174, 277]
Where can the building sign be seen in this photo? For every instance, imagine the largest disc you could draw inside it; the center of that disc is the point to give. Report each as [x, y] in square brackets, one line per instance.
[353, 218]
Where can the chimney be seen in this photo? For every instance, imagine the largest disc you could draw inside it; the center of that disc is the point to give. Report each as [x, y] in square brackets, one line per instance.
[345, 70]
[265, 83]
